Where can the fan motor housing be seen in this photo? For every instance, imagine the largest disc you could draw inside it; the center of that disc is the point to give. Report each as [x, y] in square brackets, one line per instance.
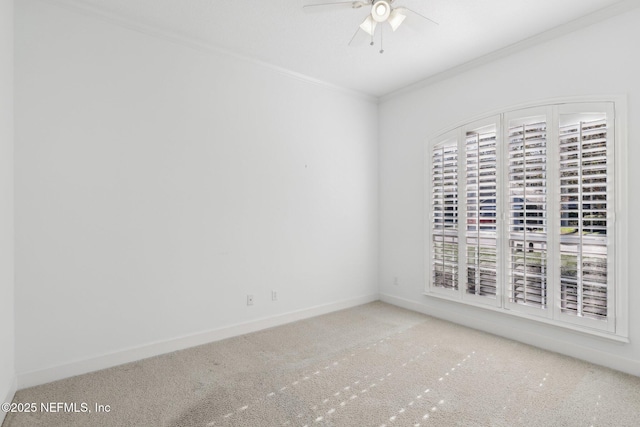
[380, 10]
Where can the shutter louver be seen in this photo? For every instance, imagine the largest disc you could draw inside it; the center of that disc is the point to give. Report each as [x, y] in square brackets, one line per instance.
[527, 174]
[445, 215]
[481, 238]
[583, 218]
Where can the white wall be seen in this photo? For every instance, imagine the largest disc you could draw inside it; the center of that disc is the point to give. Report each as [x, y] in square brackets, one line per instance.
[558, 68]
[7, 371]
[157, 185]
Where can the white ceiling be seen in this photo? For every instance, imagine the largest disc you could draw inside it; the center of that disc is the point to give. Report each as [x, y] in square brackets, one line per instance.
[315, 44]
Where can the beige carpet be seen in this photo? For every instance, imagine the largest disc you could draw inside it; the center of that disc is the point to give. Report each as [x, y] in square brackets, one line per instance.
[374, 365]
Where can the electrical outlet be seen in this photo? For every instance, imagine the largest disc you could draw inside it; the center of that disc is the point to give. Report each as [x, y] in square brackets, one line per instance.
[396, 281]
[274, 295]
[249, 299]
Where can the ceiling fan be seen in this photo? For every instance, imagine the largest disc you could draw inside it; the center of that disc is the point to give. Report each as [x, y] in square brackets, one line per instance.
[381, 12]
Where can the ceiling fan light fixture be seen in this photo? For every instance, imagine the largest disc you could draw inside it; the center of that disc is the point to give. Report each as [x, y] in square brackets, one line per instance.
[396, 18]
[369, 25]
[380, 11]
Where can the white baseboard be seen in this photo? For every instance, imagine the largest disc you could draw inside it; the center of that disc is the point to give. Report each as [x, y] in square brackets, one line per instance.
[79, 367]
[504, 329]
[9, 397]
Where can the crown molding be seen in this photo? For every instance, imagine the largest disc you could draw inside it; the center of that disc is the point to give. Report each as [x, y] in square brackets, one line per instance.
[167, 34]
[203, 46]
[559, 31]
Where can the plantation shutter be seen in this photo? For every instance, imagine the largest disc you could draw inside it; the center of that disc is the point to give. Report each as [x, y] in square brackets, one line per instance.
[527, 212]
[481, 173]
[584, 215]
[534, 189]
[444, 185]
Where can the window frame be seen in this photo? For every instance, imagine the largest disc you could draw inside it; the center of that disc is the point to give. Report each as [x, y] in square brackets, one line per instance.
[617, 186]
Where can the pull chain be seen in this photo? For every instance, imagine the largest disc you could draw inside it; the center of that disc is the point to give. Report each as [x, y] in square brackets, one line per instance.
[372, 30]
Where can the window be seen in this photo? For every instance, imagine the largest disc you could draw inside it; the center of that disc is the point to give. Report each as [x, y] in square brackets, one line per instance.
[522, 216]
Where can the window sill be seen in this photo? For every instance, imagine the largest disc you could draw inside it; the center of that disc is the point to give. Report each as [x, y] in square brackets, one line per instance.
[550, 322]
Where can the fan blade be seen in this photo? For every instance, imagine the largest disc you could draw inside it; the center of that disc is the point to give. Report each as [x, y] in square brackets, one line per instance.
[396, 18]
[369, 25]
[406, 9]
[352, 4]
